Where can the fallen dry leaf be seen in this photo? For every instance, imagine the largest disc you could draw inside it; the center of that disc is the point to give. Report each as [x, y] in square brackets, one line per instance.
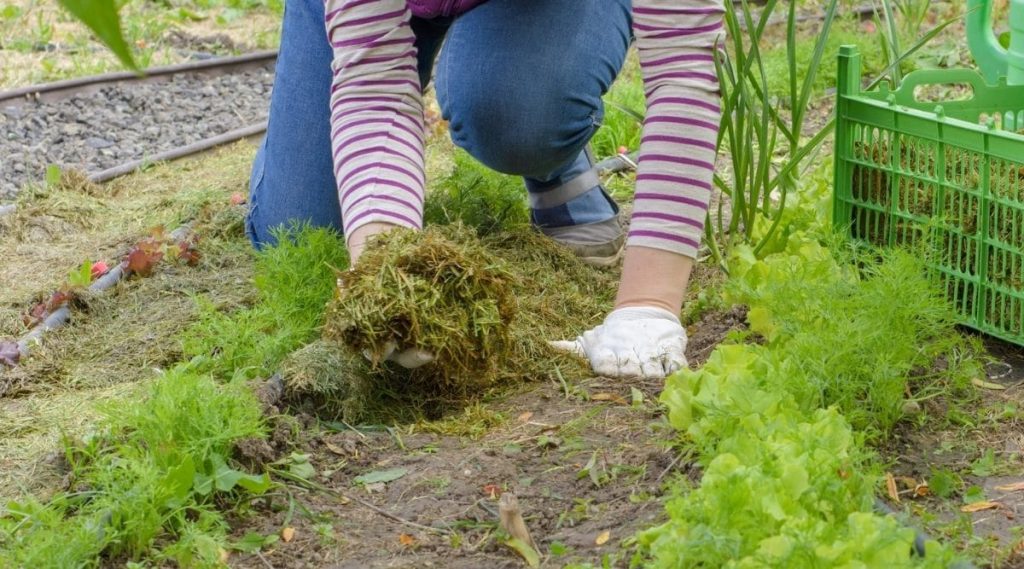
[1018, 550]
[98, 269]
[609, 397]
[511, 518]
[907, 481]
[526, 416]
[287, 534]
[406, 539]
[335, 449]
[922, 490]
[987, 385]
[603, 537]
[979, 506]
[1015, 487]
[890, 488]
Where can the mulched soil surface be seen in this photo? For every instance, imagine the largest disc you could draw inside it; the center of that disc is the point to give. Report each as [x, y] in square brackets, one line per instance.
[917, 453]
[541, 454]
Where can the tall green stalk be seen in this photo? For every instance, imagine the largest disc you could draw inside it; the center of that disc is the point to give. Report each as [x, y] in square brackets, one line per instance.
[753, 130]
[769, 146]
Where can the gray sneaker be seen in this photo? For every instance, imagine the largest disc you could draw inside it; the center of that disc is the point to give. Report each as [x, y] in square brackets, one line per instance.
[596, 244]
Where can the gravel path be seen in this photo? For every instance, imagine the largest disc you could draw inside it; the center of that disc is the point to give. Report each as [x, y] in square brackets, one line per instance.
[125, 122]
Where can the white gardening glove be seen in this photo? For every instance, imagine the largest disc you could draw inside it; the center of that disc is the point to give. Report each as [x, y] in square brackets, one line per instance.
[643, 342]
[411, 358]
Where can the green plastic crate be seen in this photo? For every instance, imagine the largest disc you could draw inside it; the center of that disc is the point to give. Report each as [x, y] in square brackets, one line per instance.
[947, 176]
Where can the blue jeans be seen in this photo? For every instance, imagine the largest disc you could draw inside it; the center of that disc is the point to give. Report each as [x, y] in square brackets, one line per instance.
[520, 82]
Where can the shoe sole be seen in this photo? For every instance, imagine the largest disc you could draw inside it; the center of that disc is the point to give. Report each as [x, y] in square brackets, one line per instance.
[604, 262]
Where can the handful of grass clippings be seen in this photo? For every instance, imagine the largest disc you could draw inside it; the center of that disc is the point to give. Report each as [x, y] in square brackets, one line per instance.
[438, 290]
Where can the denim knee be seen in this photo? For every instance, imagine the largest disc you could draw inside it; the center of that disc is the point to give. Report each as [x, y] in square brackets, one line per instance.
[523, 129]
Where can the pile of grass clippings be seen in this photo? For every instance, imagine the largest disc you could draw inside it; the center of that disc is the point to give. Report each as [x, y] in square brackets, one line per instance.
[439, 291]
[485, 307]
[329, 380]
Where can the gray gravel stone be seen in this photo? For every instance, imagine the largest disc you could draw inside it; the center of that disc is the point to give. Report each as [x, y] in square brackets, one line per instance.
[98, 143]
[125, 122]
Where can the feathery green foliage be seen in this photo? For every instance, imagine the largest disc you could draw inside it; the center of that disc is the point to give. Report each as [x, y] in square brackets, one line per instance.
[294, 281]
[138, 485]
[858, 329]
[478, 197]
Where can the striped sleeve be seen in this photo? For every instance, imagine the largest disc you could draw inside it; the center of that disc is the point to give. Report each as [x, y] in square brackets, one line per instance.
[676, 41]
[377, 131]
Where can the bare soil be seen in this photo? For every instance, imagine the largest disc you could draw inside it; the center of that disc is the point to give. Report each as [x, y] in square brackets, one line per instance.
[581, 459]
[917, 453]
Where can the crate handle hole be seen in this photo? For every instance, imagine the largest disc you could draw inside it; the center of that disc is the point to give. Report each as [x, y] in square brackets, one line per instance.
[943, 92]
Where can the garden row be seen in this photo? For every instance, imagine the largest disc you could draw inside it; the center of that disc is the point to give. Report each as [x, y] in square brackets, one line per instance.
[783, 423]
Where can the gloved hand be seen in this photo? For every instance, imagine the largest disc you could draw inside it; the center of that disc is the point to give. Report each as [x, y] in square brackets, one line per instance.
[411, 358]
[643, 342]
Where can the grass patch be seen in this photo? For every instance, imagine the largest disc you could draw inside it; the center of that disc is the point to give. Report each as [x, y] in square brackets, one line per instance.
[624, 108]
[473, 422]
[477, 197]
[55, 228]
[844, 31]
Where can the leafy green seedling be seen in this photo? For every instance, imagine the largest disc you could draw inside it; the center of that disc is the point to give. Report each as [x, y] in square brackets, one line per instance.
[299, 466]
[637, 396]
[253, 542]
[985, 465]
[974, 494]
[559, 549]
[944, 483]
[381, 476]
[82, 276]
[10, 12]
[223, 478]
[591, 470]
[53, 175]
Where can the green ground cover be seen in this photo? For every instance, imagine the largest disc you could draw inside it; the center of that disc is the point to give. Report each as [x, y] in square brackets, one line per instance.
[781, 442]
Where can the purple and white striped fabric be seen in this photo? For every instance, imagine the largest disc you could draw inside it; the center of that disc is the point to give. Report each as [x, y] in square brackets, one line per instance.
[377, 117]
[676, 41]
[376, 113]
